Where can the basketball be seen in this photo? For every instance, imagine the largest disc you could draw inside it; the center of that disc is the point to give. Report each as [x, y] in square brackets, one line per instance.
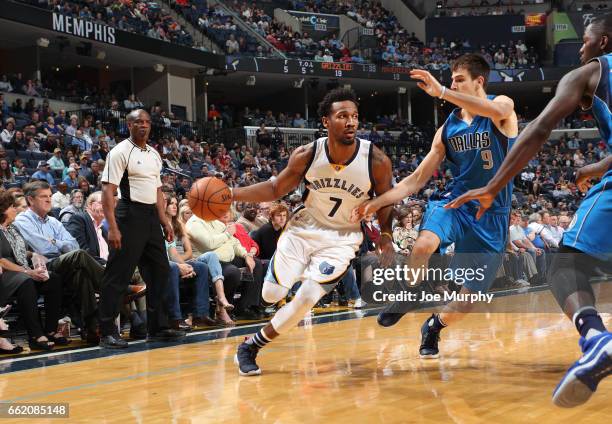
[209, 198]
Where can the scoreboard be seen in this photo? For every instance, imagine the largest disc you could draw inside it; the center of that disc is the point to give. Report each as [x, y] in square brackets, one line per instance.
[319, 69]
[340, 70]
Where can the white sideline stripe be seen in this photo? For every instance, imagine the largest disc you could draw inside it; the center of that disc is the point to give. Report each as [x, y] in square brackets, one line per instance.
[197, 333]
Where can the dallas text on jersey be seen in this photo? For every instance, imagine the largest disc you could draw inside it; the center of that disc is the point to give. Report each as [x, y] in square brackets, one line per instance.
[470, 141]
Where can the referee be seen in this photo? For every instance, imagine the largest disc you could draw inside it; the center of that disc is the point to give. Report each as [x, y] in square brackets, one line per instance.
[135, 232]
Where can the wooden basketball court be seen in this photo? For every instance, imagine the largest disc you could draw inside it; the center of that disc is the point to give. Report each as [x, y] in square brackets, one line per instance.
[494, 368]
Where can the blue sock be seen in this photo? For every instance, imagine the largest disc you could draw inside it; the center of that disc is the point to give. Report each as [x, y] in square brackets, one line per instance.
[588, 319]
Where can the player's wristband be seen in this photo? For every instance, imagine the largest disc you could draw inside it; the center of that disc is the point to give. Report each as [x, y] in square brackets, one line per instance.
[388, 235]
[441, 96]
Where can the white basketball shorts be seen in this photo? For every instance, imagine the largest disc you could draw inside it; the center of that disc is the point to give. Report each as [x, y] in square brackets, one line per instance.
[309, 250]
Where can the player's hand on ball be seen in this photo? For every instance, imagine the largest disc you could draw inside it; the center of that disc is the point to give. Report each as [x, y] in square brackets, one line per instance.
[482, 195]
[366, 208]
[582, 181]
[427, 82]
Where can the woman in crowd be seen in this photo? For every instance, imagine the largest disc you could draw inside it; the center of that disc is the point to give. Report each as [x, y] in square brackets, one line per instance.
[103, 149]
[71, 179]
[71, 165]
[8, 132]
[184, 211]
[19, 280]
[50, 128]
[215, 236]
[76, 205]
[99, 130]
[404, 234]
[6, 174]
[84, 186]
[173, 159]
[210, 259]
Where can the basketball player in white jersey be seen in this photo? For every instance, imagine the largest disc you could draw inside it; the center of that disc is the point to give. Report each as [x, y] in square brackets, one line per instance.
[340, 172]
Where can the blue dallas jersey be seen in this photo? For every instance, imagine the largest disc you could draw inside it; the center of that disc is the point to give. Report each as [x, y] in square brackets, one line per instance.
[602, 100]
[475, 152]
[589, 231]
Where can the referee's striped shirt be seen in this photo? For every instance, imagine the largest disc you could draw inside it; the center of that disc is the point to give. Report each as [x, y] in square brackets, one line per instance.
[135, 171]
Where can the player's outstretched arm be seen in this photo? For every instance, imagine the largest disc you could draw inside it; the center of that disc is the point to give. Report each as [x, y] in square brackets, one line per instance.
[287, 180]
[571, 91]
[498, 109]
[409, 185]
[381, 173]
[594, 170]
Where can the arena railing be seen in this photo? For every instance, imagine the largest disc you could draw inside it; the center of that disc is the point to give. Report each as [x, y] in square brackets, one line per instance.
[115, 120]
[294, 137]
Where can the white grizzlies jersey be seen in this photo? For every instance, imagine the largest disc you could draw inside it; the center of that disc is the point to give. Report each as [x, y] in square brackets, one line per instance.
[333, 190]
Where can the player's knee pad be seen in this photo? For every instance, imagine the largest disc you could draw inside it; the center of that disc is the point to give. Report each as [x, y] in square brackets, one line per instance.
[569, 273]
[272, 292]
[293, 312]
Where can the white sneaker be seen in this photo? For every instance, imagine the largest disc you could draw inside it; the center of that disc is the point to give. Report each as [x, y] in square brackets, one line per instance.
[523, 283]
[359, 303]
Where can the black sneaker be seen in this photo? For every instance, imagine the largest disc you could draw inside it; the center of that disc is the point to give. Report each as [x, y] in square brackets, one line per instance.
[394, 311]
[429, 341]
[245, 359]
[387, 319]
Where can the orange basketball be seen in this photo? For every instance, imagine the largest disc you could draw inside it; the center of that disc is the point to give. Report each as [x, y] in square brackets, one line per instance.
[209, 198]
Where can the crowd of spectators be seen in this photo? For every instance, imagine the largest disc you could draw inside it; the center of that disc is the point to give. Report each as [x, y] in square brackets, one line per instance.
[216, 23]
[141, 17]
[439, 54]
[395, 45]
[58, 86]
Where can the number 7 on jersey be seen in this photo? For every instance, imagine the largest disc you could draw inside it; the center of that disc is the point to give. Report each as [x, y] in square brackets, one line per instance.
[336, 206]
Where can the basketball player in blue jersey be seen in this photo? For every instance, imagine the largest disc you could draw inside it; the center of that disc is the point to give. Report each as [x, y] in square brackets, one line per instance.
[317, 245]
[475, 140]
[586, 244]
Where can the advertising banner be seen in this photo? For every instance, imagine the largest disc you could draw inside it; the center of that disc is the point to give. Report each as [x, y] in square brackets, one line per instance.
[571, 25]
[317, 23]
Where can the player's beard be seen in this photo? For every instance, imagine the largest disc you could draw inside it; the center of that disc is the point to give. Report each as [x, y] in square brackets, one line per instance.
[347, 141]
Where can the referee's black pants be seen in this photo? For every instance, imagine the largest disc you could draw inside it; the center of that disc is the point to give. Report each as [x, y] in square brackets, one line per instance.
[142, 245]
